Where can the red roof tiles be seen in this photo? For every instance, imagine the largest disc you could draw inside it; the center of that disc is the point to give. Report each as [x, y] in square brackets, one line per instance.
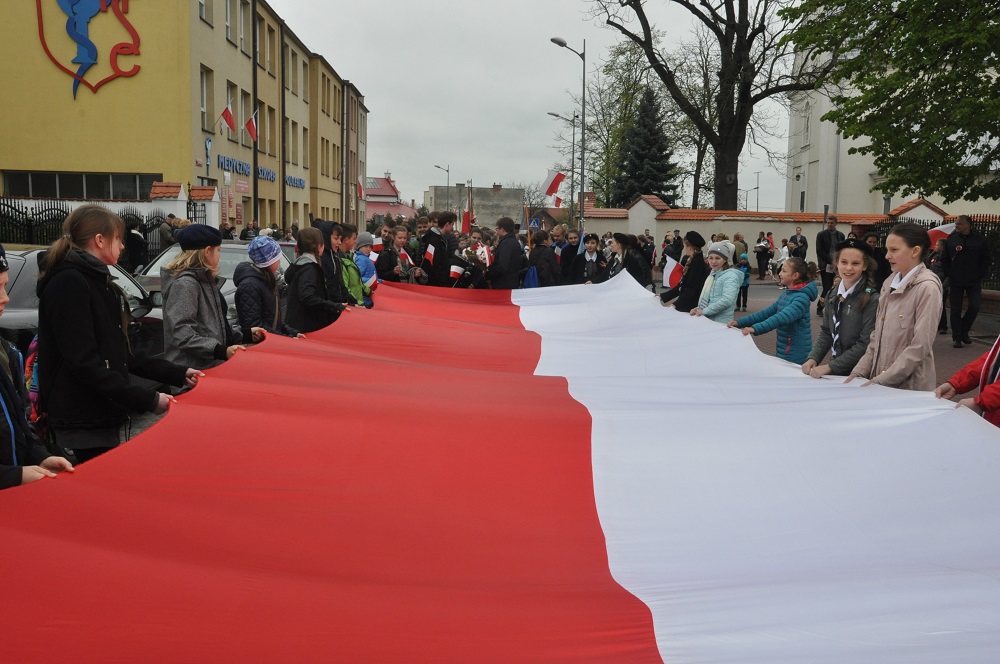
[165, 190]
[679, 214]
[202, 193]
[915, 203]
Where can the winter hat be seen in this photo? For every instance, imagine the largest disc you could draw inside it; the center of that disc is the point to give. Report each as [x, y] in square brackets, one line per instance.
[855, 243]
[363, 239]
[695, 239]
[198, 236]
[743, 257]
[723, 249]
[264, 251]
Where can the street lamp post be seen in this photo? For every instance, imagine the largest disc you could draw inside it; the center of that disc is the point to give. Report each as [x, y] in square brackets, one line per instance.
[572, 161]
[448, 188]
[560, 42]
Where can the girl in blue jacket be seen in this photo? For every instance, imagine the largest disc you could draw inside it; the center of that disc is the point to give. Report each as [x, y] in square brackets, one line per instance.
[789, 315]
[718, 295]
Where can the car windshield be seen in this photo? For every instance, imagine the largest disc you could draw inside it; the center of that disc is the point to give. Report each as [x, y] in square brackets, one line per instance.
[232, 255]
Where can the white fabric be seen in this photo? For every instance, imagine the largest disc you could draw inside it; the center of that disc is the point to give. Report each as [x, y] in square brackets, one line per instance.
[866, 528]
[899, 280]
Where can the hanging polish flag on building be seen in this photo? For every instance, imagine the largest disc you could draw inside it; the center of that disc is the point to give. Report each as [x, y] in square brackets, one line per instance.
[227, 116]
[456, 271]
[429, 254]
[361, 189]
[672, 273]
[569, 530]
[552, 182]
[251, 126]
[466, 221]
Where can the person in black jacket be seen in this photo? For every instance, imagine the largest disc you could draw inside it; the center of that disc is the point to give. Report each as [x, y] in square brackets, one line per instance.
[25, 458]
[83, 347]
[333, 268]
[508, 257]
[590, 265]
[626, 255]
[696, 271]
[569, 254]
[543, 258]
[309, 308]
[966, 261]
[257, 302]
[434, 259]
[393, 263]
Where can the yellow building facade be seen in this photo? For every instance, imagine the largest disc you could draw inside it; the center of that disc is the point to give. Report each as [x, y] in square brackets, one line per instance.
[99, 106]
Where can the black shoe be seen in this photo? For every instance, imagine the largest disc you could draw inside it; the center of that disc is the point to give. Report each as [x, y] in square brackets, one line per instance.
[967, 340]
[942, 330]
[958, 343]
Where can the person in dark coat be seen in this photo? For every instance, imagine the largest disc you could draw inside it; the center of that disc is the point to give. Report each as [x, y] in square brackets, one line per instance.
[257, 303]
[826, 246]
[333, 268]
[25, 459]
[508, 258]
[627, 256]
[392, 264]
[590, 265]
[696, 271]
[569, 254]
[434, 258]
[882, 267]
[83, 344]
[543, 258]
[966, 261]
[136, 252]
[309, 308]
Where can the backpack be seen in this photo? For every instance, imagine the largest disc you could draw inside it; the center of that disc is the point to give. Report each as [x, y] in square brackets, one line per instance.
[530, 278]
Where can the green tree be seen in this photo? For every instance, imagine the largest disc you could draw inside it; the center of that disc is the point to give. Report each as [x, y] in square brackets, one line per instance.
[645, 165]
[755, 66]
[918, 79]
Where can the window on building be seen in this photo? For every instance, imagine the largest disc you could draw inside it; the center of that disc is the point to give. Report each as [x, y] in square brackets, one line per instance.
[305, 82]
[806, 125]
[802, 201]
[272, 143]
[229, 19]
[258, 22]
[294, 139]
[284, 141]
[305, 147]
[98, 186]
[295, 73]
[124, 187]
[244, 12]
[16, 184]
[43, 185]
[284, 64]
[71, 185]
[146, 185]
[207, 105]
[270, 49]
[245, 112]
[202, 10]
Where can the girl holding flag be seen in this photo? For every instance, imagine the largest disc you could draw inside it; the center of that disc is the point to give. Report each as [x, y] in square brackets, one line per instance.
[394, 263]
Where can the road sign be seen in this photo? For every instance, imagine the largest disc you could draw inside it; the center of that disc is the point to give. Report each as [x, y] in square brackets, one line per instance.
[533, 224]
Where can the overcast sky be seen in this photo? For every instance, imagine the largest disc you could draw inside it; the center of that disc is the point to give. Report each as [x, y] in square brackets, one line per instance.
[469, 84]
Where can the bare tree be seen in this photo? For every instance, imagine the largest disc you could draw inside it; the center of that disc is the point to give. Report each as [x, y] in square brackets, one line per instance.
[756, 64]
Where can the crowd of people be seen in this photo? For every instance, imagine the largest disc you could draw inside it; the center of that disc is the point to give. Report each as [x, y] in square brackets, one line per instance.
[874, 328]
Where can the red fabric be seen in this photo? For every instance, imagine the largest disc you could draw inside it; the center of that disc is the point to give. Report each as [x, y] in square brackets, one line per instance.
[969, 378]
[227, 115]
[552, 182]
[252, 127]
[262, 521]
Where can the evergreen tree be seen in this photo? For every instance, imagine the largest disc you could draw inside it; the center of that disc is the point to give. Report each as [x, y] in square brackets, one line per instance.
[645, 165]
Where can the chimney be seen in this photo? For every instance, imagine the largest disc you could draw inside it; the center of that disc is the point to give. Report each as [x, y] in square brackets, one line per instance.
[589, 199]
[497, 186]
[388, 175]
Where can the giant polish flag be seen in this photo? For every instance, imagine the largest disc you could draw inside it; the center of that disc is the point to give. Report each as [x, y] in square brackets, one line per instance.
[675, 495]
[552, 182]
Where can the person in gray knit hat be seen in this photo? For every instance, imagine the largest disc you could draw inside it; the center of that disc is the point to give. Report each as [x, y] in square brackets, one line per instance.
[718, 295]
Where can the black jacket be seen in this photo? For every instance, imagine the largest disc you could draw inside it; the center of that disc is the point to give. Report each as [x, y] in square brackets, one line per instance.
[309, 309]
[19, 440]
[439, 267]
[966, 259]
[256, 304]
[333, 269]
[508, 259]
[84, 360]
[566, 258]
[826, 241]
[386, 264]
[688, 291]
[543, 259]
[583, 270]
[634, 262]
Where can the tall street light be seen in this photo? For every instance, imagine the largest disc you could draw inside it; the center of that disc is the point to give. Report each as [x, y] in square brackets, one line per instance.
[572, 160]
[448, 188]
[560, 42]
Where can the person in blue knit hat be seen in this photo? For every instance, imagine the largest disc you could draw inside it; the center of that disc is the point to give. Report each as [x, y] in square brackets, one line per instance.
[257, 304]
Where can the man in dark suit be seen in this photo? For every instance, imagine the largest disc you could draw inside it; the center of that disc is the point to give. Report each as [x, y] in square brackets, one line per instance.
[826, 246]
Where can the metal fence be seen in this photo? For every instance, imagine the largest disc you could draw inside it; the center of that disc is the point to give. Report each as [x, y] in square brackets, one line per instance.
[42, 225]
[987, 225]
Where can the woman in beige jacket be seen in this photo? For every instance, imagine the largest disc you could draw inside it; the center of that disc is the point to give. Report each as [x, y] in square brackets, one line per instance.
[901, 353]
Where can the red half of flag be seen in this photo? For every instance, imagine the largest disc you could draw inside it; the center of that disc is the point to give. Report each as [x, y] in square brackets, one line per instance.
[941, 232]
[552, 182]
[361, 189]
[672, 273]
[371, 280]
[377, 245]
[227, 116]
[429, 254]
[252, 127]
[404, 256]
[466, 221]
[558, 202]
[558, 252]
